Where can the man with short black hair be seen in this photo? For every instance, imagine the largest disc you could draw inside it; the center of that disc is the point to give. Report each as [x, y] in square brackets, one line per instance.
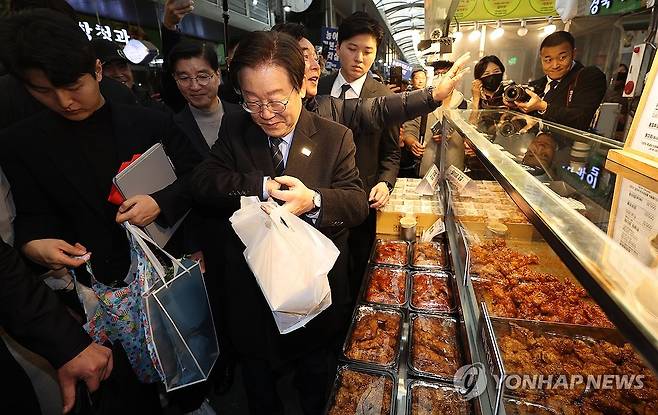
[377, 150]
[570, 93]
[418, 78]
[61, 162]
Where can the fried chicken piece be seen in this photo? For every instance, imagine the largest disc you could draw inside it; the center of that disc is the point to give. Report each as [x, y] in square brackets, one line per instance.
[429, 254]
[434, 346]
[375, 338]
[362, 393]
[391, 252]
[427, 400]
[430, 292]
[387, 286]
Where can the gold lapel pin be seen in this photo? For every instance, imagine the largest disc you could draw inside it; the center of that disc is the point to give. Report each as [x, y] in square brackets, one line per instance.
[306, 151]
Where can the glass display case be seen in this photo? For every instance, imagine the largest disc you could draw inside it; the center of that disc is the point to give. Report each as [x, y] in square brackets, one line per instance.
[528, 208]
[527, 307]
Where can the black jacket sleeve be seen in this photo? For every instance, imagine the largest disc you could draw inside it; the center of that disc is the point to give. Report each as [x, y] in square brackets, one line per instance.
[174, 200]
[389, 152]
[32, 314]
[216, 181]
[588, 92]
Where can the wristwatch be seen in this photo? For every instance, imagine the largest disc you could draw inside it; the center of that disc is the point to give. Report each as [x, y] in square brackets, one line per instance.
[317, 202]
[389, 186]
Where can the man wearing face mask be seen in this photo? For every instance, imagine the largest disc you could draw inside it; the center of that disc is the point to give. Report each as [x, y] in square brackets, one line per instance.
[570, 93]
[486, 88]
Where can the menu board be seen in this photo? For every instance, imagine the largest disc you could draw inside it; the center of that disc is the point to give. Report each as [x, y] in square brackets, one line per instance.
[636, 221]
[643, 135]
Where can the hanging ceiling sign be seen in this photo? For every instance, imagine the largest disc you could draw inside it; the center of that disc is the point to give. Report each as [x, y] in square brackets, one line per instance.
[477, 10]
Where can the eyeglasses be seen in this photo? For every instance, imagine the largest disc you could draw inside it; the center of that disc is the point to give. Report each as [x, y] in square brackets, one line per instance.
[202, 79]
[311, 58]
[276, 107]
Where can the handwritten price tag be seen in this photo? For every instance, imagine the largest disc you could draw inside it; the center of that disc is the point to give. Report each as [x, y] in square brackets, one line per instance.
[437, 228]
[430, 182]
[457, 179]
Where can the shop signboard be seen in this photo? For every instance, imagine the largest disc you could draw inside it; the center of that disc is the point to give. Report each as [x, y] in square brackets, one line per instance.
[476, 10]
[330, 46]
[611, 7]
[96, 30]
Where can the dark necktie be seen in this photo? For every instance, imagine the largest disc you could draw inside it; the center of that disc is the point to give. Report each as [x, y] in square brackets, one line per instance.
[551, 90]
[277, 155]
[343, 90]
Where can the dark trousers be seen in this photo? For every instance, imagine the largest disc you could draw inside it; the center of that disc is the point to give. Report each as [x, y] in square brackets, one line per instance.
[17, 396]
[360, 246]
[313, 375]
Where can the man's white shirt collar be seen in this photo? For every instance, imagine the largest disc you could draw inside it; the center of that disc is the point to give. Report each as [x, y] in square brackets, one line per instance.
[354, 91]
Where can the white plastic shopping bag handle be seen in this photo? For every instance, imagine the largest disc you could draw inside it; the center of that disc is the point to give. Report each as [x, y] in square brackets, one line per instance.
[141, 239]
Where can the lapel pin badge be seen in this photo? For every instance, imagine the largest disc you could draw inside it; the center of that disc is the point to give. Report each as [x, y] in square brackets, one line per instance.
[306, 151]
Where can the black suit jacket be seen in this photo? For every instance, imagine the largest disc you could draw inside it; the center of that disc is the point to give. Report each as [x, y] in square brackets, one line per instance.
[51, 184]
[33, 315]
[377, 149]
[586, 85]
[200, 227]
[236, 166]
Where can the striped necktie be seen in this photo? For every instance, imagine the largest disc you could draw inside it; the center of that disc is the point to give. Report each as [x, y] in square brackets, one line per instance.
[277, 155]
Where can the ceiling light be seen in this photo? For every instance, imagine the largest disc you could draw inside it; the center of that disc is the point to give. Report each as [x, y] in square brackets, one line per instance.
[457, 35]
[475, 34]
[522, 31]
[286, 8]
[550, 27]
[254, 3]
[498, 31]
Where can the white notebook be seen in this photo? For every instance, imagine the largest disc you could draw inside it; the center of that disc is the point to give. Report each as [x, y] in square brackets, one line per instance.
[151, 172]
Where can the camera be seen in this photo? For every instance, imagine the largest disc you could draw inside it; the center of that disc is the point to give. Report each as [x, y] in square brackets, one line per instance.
[516, 93]
[508, 125]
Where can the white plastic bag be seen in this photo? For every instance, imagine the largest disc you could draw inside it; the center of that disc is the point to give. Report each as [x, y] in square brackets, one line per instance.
[290, 259]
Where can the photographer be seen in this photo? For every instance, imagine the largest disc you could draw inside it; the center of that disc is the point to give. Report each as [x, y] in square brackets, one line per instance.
[570, 93]
[488, 73]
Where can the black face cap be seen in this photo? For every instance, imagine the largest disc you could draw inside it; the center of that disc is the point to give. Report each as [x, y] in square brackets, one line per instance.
[108, 51]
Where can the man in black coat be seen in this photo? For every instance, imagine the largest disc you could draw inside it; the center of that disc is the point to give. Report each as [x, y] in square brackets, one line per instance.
[377, 149]
[570, 93]
[33, 315]
[281, 150]
[60, 164]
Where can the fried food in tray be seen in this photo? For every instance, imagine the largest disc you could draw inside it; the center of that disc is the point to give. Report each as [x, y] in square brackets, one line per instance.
[429, 255]
[375, 336]
[426, 398]
[528, 352]
[430, 292]
[387, 286]
[391, 252]
[521, 407]
[434, 348]
[494, 259]
[361, 392]
[531, 295]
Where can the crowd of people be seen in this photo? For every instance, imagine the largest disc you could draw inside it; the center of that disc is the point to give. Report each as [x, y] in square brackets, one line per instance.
[328, 148]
